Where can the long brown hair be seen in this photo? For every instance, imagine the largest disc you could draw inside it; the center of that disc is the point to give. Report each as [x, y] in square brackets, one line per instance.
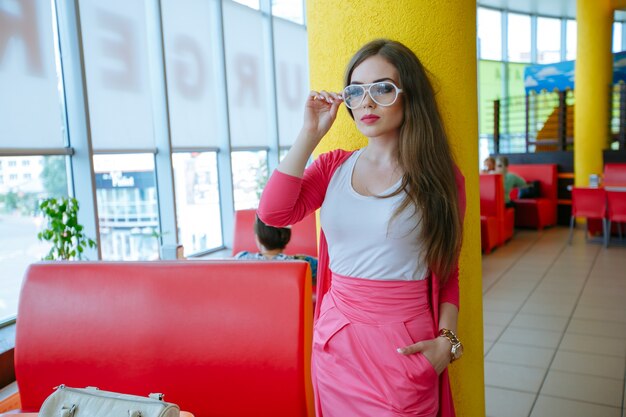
[425, 156]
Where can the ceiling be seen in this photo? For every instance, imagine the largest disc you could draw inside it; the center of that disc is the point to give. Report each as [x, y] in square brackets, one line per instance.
[553, 8]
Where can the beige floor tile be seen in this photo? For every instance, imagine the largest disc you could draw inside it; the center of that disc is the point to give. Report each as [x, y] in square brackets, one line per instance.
[507, 403]
[589, 364]
[597, 328]
[570, 288]
[600, 313]
[548, 309]
[515, 285]
[591, 344]
[492, 331]
[487, 344]
[520, 355]
[592, 389]
[501, 305]
[560, 407]
[521, 378]
[531, 337]
[500, 318]
[580, 287]
[540, 322]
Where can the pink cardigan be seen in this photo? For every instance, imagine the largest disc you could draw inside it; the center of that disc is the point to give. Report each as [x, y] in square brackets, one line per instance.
[287, 200]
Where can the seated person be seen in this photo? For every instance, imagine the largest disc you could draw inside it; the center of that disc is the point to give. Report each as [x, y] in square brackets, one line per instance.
[489, 165]
[271, 242]
[510, 180]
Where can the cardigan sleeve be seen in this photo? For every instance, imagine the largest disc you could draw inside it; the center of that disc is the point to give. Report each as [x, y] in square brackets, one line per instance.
[287, 199]
[450, 290]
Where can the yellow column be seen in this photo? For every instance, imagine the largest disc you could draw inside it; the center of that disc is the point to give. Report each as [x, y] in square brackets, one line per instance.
[443, 35]
[594, 72]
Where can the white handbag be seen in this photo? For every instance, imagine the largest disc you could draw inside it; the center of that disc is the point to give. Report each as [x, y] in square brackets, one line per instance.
[92, 402]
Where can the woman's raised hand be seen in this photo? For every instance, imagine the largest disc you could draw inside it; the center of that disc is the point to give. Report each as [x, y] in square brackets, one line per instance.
[320, 112]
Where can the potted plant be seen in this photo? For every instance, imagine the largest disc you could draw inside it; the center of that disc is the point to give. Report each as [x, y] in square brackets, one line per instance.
[63, 230]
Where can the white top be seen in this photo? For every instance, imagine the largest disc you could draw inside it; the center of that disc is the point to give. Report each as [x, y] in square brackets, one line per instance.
[361, 241]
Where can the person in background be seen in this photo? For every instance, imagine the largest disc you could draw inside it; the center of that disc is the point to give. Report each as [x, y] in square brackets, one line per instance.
[510, 179]
[271, 242]
[489, 165]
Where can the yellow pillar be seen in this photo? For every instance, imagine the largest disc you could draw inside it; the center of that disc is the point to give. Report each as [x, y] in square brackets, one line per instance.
[443, 35]
[594, 72]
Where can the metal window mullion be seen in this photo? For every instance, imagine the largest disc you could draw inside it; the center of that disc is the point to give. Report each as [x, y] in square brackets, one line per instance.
[563, 39]
[82, 177]
[504, 34]
[35, 151]
[533, 39]
[224, 161]
[504, 125]
[164, 170]
[273, 155]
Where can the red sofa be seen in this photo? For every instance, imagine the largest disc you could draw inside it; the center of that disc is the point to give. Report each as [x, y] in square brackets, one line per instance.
[496, 221]
[303, 235]
[538, 212]
[218, 338]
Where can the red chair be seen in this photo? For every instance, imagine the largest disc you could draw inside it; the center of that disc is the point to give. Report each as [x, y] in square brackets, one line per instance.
[616, 210]
[590, 203]
[496, 221]
[538, 212]
[614, 174]
[303, 235]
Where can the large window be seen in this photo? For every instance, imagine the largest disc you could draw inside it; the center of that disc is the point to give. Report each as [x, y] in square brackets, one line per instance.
[249, 177]
[617, 37]
[197, 201]
[548, 40]
[571, 39]
[489, 34]
[164, 114]
[127, 207]
[24, 182]
[519, 38]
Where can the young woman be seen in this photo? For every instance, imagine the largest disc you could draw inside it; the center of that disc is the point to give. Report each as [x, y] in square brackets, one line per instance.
[391, 218]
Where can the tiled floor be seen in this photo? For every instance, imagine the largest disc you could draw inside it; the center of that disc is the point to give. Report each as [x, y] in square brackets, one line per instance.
[554, 327]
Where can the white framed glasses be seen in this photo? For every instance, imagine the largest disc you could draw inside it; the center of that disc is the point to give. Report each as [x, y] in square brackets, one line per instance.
[383, 93]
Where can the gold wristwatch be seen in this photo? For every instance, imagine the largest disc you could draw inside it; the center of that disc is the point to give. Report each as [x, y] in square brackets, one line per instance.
[457, 348]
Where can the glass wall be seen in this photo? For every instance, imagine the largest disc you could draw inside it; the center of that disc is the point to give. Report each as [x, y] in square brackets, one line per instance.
[519, 38]
[527, 39]
[156, 141]
[548, 40]
[128, 214]
[197, 200]
[489, 29]
[24, 182]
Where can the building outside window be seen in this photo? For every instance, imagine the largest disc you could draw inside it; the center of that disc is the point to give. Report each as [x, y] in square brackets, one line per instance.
[128, 214]
[21, 220]
[250, 173]
[197, 201]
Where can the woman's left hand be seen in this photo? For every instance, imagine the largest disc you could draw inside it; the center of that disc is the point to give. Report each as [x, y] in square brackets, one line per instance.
[436, 350]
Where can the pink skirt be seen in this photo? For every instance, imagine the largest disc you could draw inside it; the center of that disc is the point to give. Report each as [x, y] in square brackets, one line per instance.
[356, 369]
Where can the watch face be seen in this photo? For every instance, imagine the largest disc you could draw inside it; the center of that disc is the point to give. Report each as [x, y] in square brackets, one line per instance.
[457, 350]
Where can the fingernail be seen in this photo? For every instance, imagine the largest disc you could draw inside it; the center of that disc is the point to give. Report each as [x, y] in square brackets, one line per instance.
[400, 350]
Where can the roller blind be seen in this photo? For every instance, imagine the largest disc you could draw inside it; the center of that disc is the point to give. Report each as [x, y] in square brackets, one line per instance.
[118, 78]
[292, 78]
[246, 75]
[193, 93]
[31, 113]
